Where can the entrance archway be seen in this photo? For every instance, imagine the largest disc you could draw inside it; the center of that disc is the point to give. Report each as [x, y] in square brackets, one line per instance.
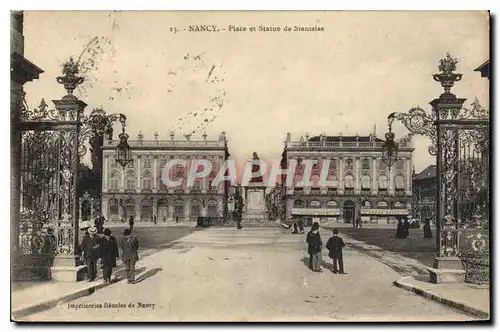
[348, 211]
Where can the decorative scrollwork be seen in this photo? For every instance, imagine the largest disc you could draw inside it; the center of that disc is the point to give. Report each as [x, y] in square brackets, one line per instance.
[42, 112]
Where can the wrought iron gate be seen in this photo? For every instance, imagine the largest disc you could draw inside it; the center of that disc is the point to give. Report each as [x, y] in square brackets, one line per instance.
[50, 152]
[463, 192]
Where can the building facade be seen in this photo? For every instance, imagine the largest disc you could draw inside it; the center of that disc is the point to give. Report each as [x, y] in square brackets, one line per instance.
[137, 189]
[360, 183]
[424, 194]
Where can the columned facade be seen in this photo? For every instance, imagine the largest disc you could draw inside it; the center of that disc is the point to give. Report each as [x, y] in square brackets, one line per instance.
[138, 190]
[360, 184]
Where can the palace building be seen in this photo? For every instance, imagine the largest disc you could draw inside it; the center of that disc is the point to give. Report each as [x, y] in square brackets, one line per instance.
[137, 189]
[359, 183]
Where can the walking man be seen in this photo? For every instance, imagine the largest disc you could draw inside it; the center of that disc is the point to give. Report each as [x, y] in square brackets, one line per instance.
[131, 223]
[109, 254]
[334, 246]
[313, 240]
[129, 245]
[90, 252]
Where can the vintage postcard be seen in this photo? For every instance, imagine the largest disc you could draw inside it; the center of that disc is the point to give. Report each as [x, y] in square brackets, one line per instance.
[250, 166]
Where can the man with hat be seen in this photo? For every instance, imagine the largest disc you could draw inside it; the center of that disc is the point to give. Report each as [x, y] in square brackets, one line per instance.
[90, 252]
[109, 254]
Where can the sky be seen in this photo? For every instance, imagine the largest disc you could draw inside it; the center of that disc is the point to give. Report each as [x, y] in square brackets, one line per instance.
[259, 85]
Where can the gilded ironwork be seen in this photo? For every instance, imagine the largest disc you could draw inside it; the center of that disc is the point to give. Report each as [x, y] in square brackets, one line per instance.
[460, 141]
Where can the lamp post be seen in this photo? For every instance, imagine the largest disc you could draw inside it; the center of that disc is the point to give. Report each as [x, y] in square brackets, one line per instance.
[389, 147]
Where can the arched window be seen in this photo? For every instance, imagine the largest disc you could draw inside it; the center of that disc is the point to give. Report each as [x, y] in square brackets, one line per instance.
[146, 210]
[195, 208]
[130, 180]
[315, 181]
[315, 205]
[398, 205]
[399, 181]
[365, 182]
[162, 210]
[382, 205]
[146, 180]
[298, 203]
[114, 210]
[349, 182]
[179, 208]
[212, 208]
[383, 183]
[333, 179]
[332, 205]
[129, 208]
[114, 180]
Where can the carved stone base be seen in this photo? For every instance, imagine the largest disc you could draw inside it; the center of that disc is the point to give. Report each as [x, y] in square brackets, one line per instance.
[65, 274]
[447, 270]
[65, 269]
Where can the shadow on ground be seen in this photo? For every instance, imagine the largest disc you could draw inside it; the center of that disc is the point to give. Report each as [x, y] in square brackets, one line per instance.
[148, 274]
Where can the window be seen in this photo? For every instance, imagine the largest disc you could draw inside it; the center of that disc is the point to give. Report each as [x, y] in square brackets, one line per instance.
[382, 205]
[365, 182]
[383, 182]
[365, 164]
[146, 210]
[315, 181]
[349, 181]
[114, 180]
[178, 209]
[195, 209]
[198, 184]
[382, 166]
[130, 182]
[399, 181]
[130, 208]
[400, 165]
[315, 205]
[147, 162]
[332, 205]
[131, 164]
[332, 178]
[333, 164]
[113, 210]
[212, 208]
[146, 180]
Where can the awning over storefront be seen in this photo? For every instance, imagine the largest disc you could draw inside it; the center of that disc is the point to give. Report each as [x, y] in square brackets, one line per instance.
[315, 212]
[384, 212]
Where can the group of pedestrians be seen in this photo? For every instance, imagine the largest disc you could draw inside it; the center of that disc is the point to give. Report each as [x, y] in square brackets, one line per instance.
[334, 245]
[104, 247]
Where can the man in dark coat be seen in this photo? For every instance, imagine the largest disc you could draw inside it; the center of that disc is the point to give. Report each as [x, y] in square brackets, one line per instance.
[109, 254]
[427, 229]
[50, 244]
[129, 246]
[131, 223]
[313, 240]
[90, 252]
[334, 246]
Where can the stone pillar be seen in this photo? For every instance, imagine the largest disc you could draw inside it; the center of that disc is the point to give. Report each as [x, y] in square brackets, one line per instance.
[187, 210]
[170, 210]
[154, 208]
[137, 208]
[67, 231]
[374, 177]
[409, 176]
[122, 184]
[155, 174]
[105, 174]
[341, 175]
[105, 207]
[138, 167]
[357, 171]
[391, 181]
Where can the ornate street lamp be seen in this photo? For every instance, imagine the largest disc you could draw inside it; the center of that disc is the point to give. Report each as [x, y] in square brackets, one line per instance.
[389, 148]
[123, 152]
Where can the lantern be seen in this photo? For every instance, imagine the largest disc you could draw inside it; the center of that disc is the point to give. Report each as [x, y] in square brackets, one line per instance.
[123, 153]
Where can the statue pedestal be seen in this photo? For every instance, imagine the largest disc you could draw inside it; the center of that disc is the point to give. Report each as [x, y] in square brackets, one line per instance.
[255, 205]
